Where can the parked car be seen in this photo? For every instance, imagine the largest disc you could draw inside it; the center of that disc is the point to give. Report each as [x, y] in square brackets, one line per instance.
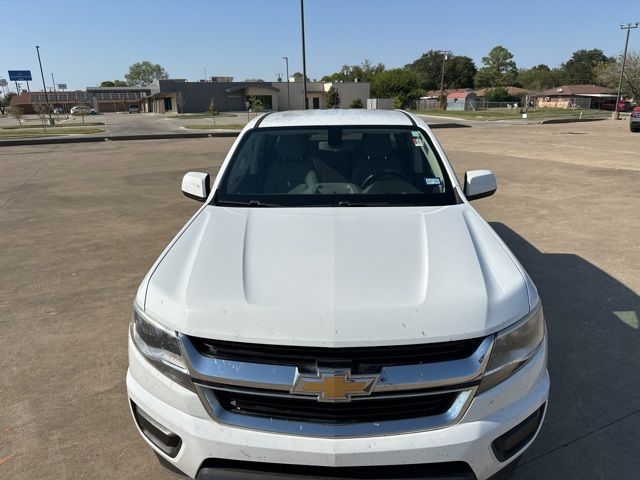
[57, 110]
[83, 110]
[634, 121]
[636, 109]
[337, 306]
[134, 109]
[623, 106]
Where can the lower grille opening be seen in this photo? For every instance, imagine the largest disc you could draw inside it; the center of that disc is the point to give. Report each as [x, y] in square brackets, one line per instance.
[371, 409]
[507, 445]
[167, 441]
[233, 469]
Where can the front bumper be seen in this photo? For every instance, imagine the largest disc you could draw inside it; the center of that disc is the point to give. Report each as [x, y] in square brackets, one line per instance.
[490, 415]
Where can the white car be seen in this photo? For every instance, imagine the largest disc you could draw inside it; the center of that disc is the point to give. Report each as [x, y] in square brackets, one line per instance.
[83, 110]
[337, 308]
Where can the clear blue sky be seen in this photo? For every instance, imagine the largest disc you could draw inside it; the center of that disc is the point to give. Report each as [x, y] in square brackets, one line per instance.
[83, 43]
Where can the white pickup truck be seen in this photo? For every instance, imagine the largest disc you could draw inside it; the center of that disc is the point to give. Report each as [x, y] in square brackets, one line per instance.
[337, 309]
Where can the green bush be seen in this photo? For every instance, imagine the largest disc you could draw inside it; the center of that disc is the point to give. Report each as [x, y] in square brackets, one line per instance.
[356, 103]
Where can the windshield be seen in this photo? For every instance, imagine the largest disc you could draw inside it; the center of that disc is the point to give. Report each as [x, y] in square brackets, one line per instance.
[335, 166]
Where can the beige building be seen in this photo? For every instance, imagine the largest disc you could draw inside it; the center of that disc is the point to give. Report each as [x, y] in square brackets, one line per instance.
[348, 92]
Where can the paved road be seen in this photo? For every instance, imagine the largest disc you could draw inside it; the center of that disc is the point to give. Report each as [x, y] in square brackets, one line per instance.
[81, 224]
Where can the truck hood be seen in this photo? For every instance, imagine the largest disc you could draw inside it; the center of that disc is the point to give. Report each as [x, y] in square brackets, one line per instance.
[337, 277]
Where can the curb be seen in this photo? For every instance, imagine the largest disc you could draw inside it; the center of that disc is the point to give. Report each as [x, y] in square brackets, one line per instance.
[102, 138]
[153, 136]
[570, 120]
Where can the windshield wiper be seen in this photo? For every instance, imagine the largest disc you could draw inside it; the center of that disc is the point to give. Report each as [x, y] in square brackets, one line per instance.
[250, 203]
[346, 203]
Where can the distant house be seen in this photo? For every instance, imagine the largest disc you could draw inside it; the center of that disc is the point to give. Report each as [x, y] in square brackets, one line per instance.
[513, 91]
[574, 96]
[465, 100]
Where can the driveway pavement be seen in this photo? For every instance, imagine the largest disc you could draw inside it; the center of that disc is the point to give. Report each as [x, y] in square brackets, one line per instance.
[80, 225]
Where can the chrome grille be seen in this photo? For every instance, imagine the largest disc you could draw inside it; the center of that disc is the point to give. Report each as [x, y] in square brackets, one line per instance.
[405, 397]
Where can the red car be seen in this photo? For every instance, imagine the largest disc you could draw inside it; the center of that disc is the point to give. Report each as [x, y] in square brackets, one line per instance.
[623, 106]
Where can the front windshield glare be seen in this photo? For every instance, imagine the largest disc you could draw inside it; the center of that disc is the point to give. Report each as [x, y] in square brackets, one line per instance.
[335, 166]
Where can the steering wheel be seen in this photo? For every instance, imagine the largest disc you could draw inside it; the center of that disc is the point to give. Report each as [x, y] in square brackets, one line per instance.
[371, 179]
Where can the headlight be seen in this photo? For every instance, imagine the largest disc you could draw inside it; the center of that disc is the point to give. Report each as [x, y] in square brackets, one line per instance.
[513, 347]
[160, 346]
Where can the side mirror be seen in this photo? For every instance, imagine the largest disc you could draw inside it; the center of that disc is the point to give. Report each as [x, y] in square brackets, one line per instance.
[196, 185]
[479, 184]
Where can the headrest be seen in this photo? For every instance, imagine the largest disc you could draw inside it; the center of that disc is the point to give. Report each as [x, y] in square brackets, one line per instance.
[376, 144]
[291, 146]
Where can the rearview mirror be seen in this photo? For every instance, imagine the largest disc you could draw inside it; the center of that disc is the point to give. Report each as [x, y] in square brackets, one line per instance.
[196, 185]
[479, 184]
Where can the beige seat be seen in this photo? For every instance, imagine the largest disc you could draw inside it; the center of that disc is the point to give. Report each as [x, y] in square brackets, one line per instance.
[292, 171]
[376, 157]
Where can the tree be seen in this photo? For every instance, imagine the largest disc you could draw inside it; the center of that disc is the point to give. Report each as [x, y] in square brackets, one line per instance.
[145, 73]
[16, 112]
[539, 77]
[499, 69]
[42, 110]
[356, 103]
[402, 83]
[255, 104]
[458, 73]
[365, 72]
[332, 98]
[501, 94]
[608, 74]
[297, 76]
[5, 101]
[113, 83]
[581, 67]
[181, 100]
[213, 111]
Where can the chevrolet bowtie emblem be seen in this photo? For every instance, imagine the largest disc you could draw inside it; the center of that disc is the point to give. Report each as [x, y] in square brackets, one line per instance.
[333, 385]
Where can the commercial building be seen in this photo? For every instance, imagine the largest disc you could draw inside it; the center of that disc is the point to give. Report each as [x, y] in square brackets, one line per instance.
[104, 99]
[181, 96]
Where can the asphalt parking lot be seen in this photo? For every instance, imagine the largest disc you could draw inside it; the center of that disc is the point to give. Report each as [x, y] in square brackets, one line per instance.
[80, 224]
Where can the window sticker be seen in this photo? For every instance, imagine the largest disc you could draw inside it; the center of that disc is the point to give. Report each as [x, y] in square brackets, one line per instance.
[417, 142]
[432, 181]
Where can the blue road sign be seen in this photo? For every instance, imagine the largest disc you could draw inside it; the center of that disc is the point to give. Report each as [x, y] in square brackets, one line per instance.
[20, 75]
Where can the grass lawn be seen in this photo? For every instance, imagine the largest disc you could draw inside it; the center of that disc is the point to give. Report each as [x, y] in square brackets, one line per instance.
[211, 126]
[514, 114]
[39, 132]
[193, 116]
[39, 127]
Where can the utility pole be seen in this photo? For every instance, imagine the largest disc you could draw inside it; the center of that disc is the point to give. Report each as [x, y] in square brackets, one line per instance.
[286, 60]
[44, 85]
[304, 59]
[445, 54]
[205, 72]
[627, 27]
[55, 93]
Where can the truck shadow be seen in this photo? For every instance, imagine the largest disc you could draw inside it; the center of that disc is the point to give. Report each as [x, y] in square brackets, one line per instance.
[594, 341]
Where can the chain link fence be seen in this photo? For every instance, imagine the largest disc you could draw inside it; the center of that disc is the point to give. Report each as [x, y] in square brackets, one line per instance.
[574, 103]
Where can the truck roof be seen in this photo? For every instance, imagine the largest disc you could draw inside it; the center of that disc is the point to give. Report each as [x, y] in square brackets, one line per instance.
[354, 116]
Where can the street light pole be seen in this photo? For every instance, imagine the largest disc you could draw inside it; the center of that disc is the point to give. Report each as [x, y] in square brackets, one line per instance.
[628, 28]
[44, 85]
[304, 59]
[444, 53]
[286, 60]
